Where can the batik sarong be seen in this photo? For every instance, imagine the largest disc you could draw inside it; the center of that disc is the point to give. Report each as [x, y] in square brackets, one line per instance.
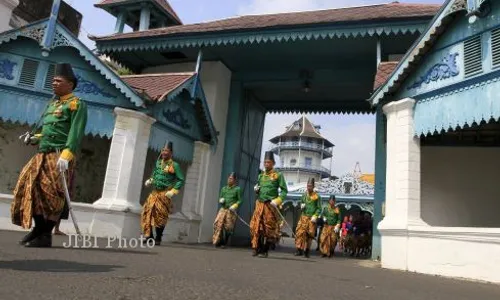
[39, 190]
[155, 211]
[328, 240]
[265, 223]
[224, 221]
[304, 233]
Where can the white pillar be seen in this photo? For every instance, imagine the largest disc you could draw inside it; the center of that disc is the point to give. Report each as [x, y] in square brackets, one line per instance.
[402, 205]
[184, 226]
[127, 157]
[117, 213]
[6, 8]
[196, 184]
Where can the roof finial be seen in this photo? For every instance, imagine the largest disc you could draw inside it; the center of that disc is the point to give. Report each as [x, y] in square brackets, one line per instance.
[50, 30]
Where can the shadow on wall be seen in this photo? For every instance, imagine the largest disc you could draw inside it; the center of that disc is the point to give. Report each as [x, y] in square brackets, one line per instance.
[13, 154]
[91, 162]
[459, 186]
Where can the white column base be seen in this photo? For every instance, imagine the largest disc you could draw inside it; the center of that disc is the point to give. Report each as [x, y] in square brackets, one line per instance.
[394, 244]
[455, 252]
[118, 205]
[182, 228]
[119, 224]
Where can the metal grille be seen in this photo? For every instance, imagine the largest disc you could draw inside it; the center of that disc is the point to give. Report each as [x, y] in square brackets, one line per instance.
[28, 73]
[495, 47]
[49, 77]
[473, 63]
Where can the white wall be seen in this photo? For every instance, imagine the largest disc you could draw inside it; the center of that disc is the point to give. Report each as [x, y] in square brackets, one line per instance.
[303, 177]
[286, 155]
[6, 7]
[460, 186]
[90, 169]
[216, 81]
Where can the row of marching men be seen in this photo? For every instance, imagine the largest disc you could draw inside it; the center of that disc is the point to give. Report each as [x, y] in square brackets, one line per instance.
[265, 225]
[44, 187]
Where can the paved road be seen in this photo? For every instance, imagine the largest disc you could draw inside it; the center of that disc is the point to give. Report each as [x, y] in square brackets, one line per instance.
[200, 272]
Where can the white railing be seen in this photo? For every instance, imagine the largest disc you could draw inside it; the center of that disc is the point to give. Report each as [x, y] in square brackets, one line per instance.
[304, 166]
[303, 145]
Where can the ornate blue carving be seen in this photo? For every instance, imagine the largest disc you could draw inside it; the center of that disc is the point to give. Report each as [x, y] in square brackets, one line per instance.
[176, 118]
[7, 69]
[443, 70]
[88, 87]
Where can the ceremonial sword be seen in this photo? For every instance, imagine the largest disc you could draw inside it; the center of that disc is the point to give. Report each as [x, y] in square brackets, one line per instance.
[68, 201]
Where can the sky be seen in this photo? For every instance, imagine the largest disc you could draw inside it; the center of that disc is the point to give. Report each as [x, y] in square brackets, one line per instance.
[352, 135]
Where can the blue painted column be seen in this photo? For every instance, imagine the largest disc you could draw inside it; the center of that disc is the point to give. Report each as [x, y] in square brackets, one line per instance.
[145, 18]
[120, 21]
[380, 170]
[234, 123]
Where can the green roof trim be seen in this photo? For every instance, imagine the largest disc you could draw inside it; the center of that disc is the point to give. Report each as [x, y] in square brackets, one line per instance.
[256, 37]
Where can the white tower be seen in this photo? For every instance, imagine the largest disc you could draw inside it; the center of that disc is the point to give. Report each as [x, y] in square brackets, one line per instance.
[301, 150]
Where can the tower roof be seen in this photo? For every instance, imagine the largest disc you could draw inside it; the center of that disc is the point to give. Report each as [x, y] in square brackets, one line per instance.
[162, 5]
[302, 128]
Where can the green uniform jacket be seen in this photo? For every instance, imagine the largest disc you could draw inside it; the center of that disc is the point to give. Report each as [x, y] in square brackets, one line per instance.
[332, 215]
[313, 206]
[63, 125]
[167, 175]
[269, 184]
[231, 195]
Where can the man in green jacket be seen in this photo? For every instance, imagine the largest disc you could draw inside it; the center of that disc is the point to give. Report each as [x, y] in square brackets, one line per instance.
[230, 200]
[39, 192]
[167, 180]
[271, 189]
[329, 235]
[310, 203]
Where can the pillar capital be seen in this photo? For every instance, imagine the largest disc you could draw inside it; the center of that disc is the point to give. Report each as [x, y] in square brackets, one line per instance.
[397, 106]
[123, 112]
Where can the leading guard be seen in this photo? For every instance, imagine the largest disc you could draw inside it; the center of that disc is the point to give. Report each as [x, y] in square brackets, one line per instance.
[264, 226]
[167, 180]
[39, 193]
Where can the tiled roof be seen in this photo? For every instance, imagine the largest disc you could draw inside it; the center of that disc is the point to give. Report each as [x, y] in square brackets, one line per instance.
[302, 127]
[384, 70]
[370, 178]
[162, 3]
[384, 12]
[157, 86]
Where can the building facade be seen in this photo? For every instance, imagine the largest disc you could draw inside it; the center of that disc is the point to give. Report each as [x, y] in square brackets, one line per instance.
[440, 110]
[129, 120]
[318, 61]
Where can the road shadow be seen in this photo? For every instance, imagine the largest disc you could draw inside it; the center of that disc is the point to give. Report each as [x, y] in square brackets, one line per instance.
[54, 265]
[111, 250]
[291, 259]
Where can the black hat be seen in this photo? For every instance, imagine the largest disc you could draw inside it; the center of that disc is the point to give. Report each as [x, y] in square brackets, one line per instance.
[311, 181]
[65, 70]
[169, 146]
[269, 155]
